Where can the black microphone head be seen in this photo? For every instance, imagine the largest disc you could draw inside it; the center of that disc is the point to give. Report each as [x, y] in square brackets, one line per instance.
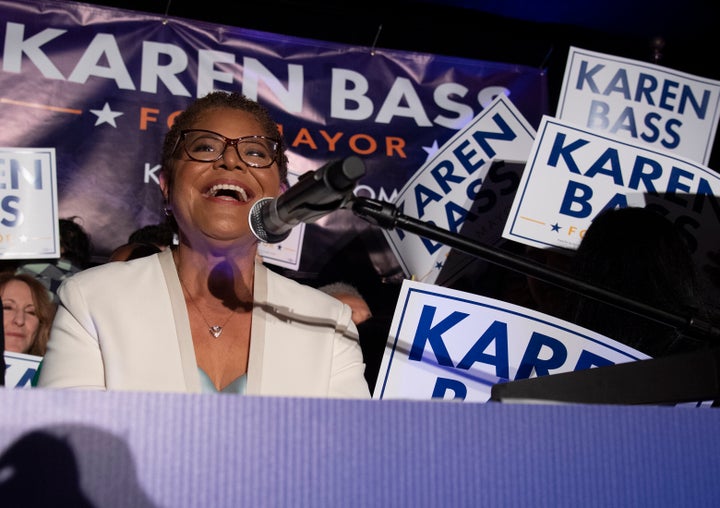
[256, 219]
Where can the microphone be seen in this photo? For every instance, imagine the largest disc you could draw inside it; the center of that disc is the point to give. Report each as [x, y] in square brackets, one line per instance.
[315, 194]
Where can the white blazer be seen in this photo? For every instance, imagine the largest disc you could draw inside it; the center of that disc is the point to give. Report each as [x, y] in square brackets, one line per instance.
[125, 326]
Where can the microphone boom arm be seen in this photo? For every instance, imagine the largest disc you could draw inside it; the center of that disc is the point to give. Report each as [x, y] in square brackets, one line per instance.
[387, 216]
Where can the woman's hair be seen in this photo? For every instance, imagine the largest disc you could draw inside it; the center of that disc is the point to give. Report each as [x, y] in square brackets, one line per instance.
[44, 309]
[75, 243]
[643, 256]
[221, 100]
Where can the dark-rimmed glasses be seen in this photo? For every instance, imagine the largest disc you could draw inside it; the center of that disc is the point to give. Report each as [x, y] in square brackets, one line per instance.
[207, 146]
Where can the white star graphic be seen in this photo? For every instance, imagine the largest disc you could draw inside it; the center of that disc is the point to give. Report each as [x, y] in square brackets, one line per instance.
[105, 115]
[431, 150]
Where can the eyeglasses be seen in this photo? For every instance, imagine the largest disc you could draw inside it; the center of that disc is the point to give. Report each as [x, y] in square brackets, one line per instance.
[208, 146]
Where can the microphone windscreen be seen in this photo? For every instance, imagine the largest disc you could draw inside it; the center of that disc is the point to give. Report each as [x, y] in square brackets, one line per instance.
[257, 219]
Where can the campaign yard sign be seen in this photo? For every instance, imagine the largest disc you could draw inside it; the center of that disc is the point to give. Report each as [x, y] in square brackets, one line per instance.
[29, 225]
[573, 173]
[20, 369]
[640, 102]
[449, 344]
[445, 187]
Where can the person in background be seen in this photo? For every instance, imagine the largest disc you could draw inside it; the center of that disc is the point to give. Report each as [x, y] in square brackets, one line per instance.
[75, 254]
[641, 255]
[348, 294]
[160, 235]
[145, 241]
[207, 315]
[128, 251]
[373, 331]
[27, 313]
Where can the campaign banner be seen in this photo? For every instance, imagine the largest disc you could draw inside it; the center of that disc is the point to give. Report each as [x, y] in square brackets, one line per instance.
[102, 85]
[641, 102]
[29, 225]
[20, 369]
[449, 344]
[442, 192]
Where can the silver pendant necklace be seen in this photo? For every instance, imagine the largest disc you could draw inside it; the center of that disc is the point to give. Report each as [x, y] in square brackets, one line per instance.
[215, 330]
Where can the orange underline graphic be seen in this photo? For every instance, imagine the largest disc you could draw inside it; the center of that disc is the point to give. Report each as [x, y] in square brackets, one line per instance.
[41, 106]
[532, 220]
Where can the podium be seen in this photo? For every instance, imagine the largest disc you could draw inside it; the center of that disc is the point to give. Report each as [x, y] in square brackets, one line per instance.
[119, 449]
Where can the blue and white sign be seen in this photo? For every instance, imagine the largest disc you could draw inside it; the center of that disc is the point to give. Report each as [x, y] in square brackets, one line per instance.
[573, 173]
[640, 102]
[20, 369]
[28, 204]
[443, 190]
[449, 344]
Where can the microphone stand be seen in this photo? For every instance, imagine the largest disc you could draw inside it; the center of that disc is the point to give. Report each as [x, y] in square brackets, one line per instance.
[387, 216]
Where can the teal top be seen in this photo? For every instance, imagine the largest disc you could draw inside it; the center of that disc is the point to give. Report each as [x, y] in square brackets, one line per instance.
[237, 386]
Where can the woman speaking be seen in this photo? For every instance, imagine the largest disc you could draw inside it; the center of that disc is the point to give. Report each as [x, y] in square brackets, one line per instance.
[206, 315]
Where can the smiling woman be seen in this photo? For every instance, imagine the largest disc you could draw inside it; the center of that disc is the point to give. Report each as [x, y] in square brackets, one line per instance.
[27, 313]
[206, 315]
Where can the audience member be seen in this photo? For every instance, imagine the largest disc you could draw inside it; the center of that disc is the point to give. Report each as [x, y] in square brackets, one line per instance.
[373, 331]
[160, 235]
[206, 314]
[348, 294]
[641, 255]
[75, 253]
[27, 313]
[128, 251]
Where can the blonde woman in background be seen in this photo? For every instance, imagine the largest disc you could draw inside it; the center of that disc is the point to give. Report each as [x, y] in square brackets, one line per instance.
[28, 313]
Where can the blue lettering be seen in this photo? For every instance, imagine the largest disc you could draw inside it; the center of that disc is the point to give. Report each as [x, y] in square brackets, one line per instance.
[646, 85]
[687, 96]
[579, 194]
[506, 134]
[425, 332]
[495, 333]
[598, 116]
[586, 76]
[531, 359]
[639, 175]
[442, 385]
[610, 155]
[464, 157]
[442, 179]
[674, 184]
[619, 83]
[628, 116]
[17, 170]
[674, 135]
[558, 150]
[421, 201]
[654, 134]
[26, 379]
[588, 360]
[456, 215]
[667, 94]
[16, 216]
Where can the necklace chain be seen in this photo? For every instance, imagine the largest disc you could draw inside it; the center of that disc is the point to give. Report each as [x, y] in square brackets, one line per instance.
[215, 330]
